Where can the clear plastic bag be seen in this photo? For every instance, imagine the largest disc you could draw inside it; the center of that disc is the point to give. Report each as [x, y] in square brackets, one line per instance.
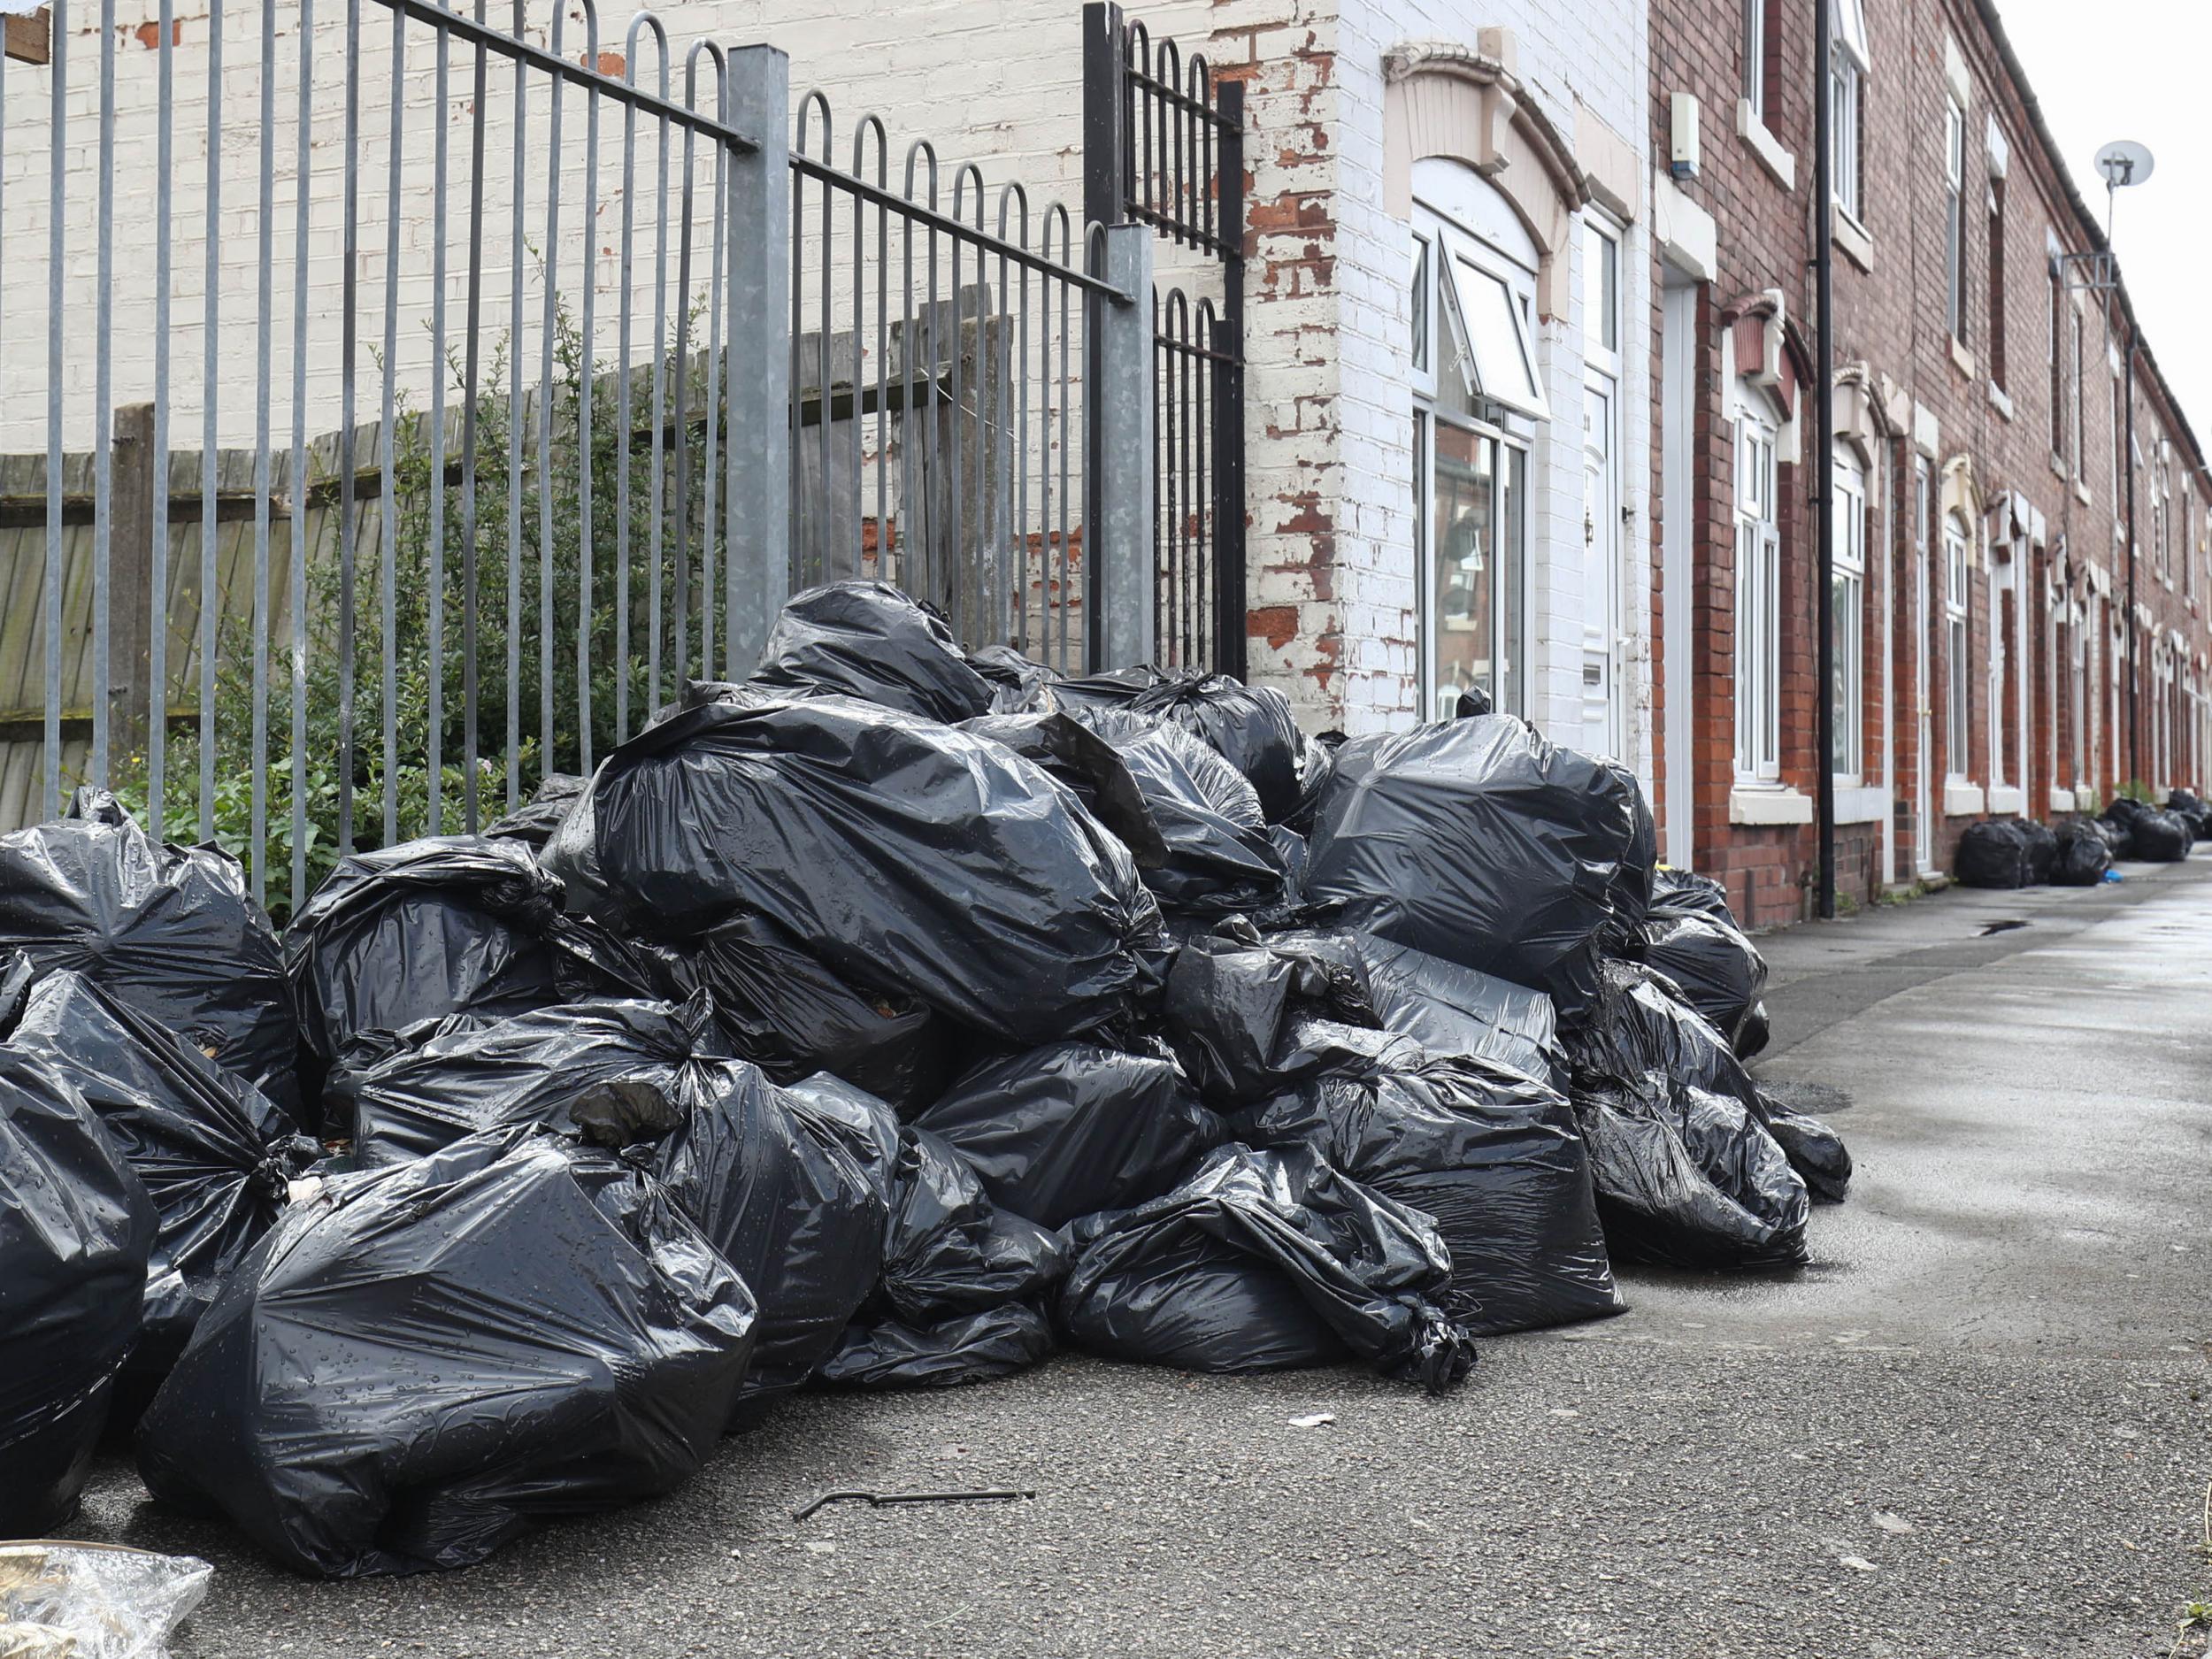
[72, 1600]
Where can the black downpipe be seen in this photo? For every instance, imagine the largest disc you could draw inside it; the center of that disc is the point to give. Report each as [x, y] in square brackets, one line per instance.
[1825, 440]
[2135, 757]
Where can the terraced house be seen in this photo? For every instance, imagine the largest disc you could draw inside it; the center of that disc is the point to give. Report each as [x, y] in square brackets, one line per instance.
[1987, 657]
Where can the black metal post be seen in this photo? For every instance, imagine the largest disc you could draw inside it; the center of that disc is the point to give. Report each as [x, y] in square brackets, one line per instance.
[1105, 118]
[1228, 442]
[1824, 439]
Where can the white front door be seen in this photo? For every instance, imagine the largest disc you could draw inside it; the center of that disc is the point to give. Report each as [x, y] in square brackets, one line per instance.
[1600, 568]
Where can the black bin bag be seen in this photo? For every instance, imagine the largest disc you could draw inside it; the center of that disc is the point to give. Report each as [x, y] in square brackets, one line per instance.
[1490, 1154]
[1717, 968]
[786, 1192]
[2159, 838]
[1995, 853]
[215, 1154]
[447, 925]
[868, 639]
[903, 855]
[2190, 808]
[1246, 1019]
[1069, 751]
[1264, 1260]
[76, 1227]
[1220, 859]
[2084, 855]
[1687, 1173]
[172, 930]
[417, 1363]
[533, 822]
[1477, 841]
[1249, 726]
[1074, 1128]
[1450, 1009]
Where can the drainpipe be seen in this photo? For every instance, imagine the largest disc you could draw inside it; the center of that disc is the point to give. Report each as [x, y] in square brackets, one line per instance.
[1824, 437]
[2135, 759]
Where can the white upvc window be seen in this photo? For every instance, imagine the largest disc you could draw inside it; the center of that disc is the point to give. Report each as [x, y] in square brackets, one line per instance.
[1600, 293]
[2078, 631]
[2119, 420]
[1755, 55]
[1847, 690]
[1954, 214]
[1847, 74]
[1758, 604]
[2058, 361]
[1957, 710]
[2081, 423]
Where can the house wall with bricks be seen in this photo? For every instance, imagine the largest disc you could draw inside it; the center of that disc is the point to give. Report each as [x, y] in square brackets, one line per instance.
[2043, 503]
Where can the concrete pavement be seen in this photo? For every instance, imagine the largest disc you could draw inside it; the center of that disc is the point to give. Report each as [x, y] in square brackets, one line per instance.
[1977, 1425]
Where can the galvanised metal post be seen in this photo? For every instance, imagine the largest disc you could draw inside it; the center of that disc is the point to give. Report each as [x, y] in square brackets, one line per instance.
[1117, 526]
[757, 368]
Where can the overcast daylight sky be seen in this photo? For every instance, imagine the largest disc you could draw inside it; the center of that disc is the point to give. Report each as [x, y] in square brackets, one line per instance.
[2107, 69]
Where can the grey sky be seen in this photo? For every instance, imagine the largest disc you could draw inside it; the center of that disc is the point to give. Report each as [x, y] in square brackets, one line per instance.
[2107, 69]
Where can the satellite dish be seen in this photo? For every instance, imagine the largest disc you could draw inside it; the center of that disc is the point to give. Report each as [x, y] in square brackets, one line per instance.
[2123, 162]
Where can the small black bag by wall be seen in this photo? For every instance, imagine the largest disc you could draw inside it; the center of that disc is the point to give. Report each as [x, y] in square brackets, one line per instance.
[1716, 967]
[2190, 807]
[868, 639]
[2084, 855]
[2159, 838]
[75, 1229]
[1490, 1154]
[1477, 841]
[417, 1363]
[1262, 1261]
[172, 930]
[1073, 1128]
[1683, 893]
[215, 1154]
[1994, 853]
[2042, 849]
[903, 854]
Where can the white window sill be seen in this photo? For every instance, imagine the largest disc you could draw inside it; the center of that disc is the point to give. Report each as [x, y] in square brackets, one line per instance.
[2065, 801]
[2086, 798]
[2081, 493]
[2005, 798]
[1962, 800]
[1851, 238]
[1752, 130]
[1861, 803]
[1999, 400]
[1962, 360]
[2058, 466]
[1768, 804]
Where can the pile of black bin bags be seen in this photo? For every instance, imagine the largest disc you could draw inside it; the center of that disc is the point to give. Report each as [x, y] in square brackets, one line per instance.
[888, 1020]
[2010, 853]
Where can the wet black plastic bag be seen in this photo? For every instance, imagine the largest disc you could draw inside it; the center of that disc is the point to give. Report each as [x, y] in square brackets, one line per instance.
[1203, 1276]
[2190, 808]
[533, 823]
[172, 930]
[1220, 859]
[1450, 1009]
[1635, 877]
[2042, 846]
[1681, 893]
[868, 639]
[1073, 1128]
[1018, 684]
[1686, 1172]
[902, 854]
[1994, 853]
[214, 1152]
[1477, 841]
[447, 925]
[1088, 764]
[1490, 1154]
[1815, 1150]
[2159, 838]
[2115, 836]
[2084, 855]
[967, 1348]
[416, 1364]
[1249, 726]
[1246, 1020]
[75, 1229]
[783, 1010]
[1717, 970]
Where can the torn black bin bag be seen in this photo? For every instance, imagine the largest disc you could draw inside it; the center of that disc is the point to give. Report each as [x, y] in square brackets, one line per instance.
[1686, 1172]
[1477, 841]
[2159, 838]
[532, 823]
[964, 1349]
[1717, 970]
[1073, 1128]
[172, 930]
[76, 1227]
[1490, 1153]
[1220, 860]
[1246, 1020]
[215, 1154]
[1994, 854]
[1265, 1260]
[418, 1363]
[1450, 1009]
[787, 1013]
[903, 855]
[2084, 855]
[1088, 764]
[447, 925]
[868, 639]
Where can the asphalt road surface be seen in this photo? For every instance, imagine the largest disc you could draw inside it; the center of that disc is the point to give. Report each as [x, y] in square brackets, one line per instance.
[1977, 1425]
